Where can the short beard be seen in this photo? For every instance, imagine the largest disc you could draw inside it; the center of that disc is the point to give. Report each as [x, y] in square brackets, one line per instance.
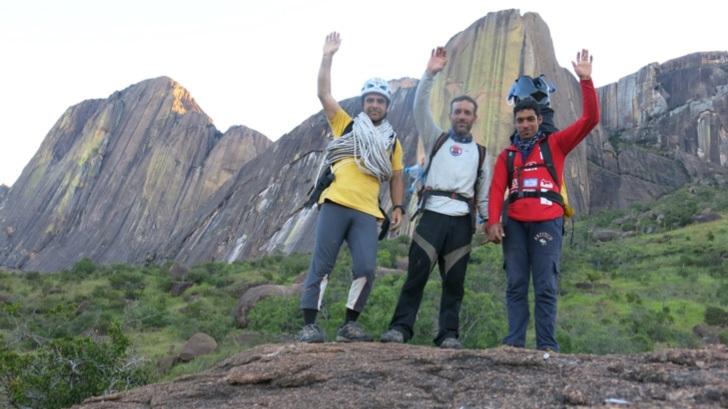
[380, 120]
[455, 129]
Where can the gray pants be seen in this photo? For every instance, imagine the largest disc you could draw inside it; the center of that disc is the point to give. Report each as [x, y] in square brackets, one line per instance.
[335, 224]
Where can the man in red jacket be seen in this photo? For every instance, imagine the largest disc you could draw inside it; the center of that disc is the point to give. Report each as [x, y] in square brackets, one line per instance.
[531, 229]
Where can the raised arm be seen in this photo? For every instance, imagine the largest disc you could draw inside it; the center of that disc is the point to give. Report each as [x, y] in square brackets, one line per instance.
[331, 46]
[570, 137]
[425, 123]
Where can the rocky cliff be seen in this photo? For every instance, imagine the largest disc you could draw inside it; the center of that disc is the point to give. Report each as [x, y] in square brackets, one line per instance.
[665, 126]
[145, 177]
[115, 178]
[260, 211]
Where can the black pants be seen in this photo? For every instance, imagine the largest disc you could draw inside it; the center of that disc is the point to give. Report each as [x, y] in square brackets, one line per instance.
[447, 241]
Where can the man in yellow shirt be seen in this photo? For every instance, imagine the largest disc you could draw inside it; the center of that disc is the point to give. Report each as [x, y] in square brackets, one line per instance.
[360, 160]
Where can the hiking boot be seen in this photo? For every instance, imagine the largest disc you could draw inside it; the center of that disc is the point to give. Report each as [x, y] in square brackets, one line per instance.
[353, 331]
[392, 336]
[312, 333]
[451, 343]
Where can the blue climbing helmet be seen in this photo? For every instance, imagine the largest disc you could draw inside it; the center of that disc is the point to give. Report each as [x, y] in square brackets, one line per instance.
[538, 88]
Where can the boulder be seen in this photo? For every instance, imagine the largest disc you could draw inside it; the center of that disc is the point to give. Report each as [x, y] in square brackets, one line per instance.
[605, 235]
[178, 271]
[402, 264]
[179, 287]
[705, 217]
[199, 344]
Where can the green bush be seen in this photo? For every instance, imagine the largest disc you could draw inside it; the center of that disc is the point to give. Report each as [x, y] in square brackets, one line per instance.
[385, 259]
[381, 303]
[84, 267]
[716, 316]
[657, 325]
[198, 276]
[126, 280]
[276, 316]
[483, 321]
[578, 335]
[295, 264]
[723, 336]
[68, 370]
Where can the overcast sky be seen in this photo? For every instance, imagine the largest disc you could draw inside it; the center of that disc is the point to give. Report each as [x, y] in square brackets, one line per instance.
[254, 62]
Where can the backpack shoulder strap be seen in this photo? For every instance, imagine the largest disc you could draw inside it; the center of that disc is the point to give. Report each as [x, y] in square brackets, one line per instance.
[510, 157]
[549, 160]
[479, 172]
[349, 127]
[436, 147]
[438, 144]
[394, 146]
[481, 157]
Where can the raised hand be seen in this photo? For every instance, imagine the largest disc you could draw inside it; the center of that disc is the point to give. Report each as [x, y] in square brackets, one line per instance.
[331, 46]
[438, 60]
[583, 64]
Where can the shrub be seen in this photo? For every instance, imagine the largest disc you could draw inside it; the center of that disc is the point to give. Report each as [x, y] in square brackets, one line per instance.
[276, 315]
[482, 320]
[716, 316]
[655, 324]
[68, 370]
[385, 258]
[126, 280]
[198, 276]
[84, 267]
[295, 264]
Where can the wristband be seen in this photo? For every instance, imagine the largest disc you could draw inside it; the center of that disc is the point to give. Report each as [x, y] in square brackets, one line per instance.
[400, 207]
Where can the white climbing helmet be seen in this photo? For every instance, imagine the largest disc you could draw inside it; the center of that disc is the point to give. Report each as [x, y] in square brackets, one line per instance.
[378, 86]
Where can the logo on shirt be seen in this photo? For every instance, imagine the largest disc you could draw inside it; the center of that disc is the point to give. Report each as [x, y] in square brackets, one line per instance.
[543, 238]
[530, 167]
[546, 184]
[455, 150]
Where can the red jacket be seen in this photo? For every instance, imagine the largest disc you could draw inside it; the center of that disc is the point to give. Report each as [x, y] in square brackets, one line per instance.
[533, 209]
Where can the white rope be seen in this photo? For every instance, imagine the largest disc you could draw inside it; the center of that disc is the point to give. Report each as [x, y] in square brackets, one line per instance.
[367, 144]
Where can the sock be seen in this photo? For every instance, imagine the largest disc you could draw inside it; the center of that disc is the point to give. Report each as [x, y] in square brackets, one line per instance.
[351, 315]
[309, 316]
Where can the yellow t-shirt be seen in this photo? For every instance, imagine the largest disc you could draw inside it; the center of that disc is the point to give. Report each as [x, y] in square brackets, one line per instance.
[352, 187]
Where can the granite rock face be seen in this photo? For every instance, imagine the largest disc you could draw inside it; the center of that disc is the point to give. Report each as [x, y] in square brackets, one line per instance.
[666, 125]
[260, 211]
[375, 375]
[114, 178]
